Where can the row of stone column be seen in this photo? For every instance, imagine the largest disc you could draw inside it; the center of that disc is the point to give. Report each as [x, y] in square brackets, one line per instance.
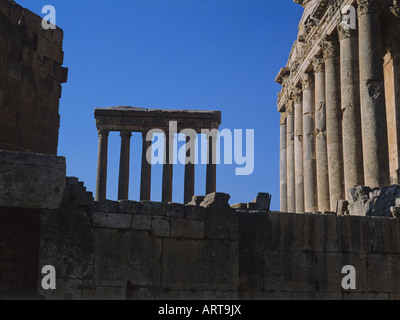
[167, 179]
[334, 132]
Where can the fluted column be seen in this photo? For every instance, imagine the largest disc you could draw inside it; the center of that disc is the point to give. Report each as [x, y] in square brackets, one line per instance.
[123, 184]
[334, 121]
[310, 185]
[373, 110]
[101, 182]
[320, 136]
[145, 183]
[291, 181]
[211, 178]
[350, 104]
[283, 164]
[298, 149]
[189, 169]
[167, 169]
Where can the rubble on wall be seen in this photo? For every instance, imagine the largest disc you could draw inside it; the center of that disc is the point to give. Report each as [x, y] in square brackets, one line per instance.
[377, 202]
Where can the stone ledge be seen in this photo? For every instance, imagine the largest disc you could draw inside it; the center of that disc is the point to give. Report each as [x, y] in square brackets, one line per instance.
[33, 181]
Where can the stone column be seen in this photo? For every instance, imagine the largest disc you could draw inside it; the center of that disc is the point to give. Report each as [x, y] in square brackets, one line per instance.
[298, 149]
[167, 169]
[283, 166]
[145, 183]
[334, 121]
[101, 182]
[123, 184]
[211, 179]
[310, 181]
[320, 136]
[189, 170]
[291, 180]
[372, 92]
[350, 101]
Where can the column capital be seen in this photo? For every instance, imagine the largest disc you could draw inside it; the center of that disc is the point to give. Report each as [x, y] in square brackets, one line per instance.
[368, 6]
[345, 33]
[307, 81]
[126, 134]
[330, 46]
[103, 133]
[296, 94]
[318, 64]
[283, 118]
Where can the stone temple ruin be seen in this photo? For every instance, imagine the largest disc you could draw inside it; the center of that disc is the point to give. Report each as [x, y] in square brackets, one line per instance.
[205, 248]
[340, 104]
[129, 119]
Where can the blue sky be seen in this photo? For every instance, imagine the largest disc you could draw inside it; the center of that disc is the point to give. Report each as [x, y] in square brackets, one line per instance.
[174, 54]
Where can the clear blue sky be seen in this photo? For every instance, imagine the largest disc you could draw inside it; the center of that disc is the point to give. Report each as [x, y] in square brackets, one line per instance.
[174, 54]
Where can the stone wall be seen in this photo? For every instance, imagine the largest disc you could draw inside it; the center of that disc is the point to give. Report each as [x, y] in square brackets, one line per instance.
[19, 253]
[147, 250]
[30, 81]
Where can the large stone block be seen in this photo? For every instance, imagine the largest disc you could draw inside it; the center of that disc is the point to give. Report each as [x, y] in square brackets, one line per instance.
[221, 223]
[31, 180]
[112, 220]
[67, 242]
[305, 232]
[111, 249]
[383, 273]
[144, 259]
[355, 234]
[185, 228]
[200, 265]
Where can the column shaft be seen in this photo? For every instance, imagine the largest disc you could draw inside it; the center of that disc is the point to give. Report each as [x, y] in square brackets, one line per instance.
[372, 92]
[350, 104]
[298, 150]
[211, 179]
[283, 164]
[334, 122]
[101, 182]
[123, 184]
[189, 169]
[291, 180]
[145, 183]
[167, 170]
[310, 181]
[320, 135]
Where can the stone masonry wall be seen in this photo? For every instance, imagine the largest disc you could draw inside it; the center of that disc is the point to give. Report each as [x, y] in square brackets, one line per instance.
[19, 253]
[147, 250]
[30, 81]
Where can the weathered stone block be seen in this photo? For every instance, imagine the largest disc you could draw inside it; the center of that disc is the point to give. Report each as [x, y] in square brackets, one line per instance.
[126, 206]
[141, 222]
[111, 249]
[195, 212]
[305, 232]
[196, 200]
[185, 228]
[154, 208]
[216, 200]
[200, 265]
[160, 228]
[251, 270]
[67, 243]
[31, 180]
[106, 206]
[383, 273]
[112, 220]
[221, 223]
[253, 231]
[355, 234]
[175, 210]
[144, 259]
[359, 193]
